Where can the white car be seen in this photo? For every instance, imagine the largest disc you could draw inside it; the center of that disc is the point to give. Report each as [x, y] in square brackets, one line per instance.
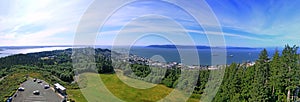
[46, 86]
[21, 88]
[40, 81]
[36, 92]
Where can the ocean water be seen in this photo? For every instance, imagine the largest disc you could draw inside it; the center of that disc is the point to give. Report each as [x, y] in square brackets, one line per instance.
[168, 54]
[7, 51]
[204, 55]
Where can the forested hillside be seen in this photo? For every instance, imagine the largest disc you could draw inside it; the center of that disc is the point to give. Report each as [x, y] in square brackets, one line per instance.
[58, 62]
[275, 79]
[270, 79]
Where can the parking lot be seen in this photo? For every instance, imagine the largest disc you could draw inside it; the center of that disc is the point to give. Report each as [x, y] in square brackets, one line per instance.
[46, 95]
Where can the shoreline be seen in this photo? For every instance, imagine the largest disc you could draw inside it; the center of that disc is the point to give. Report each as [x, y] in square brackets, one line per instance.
[229, 60]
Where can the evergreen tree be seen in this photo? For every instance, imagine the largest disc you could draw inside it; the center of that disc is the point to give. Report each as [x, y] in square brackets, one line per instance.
[290, 64]
[260, 89]
[276, 77]
[247, 82]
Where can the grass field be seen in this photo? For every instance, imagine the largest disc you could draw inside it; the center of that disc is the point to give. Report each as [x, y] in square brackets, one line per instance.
[114, 89]
[76, 95]
[10, 83]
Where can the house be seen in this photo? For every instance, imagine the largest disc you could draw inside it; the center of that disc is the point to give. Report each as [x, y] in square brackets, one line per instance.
[250, 64]
[59, 88]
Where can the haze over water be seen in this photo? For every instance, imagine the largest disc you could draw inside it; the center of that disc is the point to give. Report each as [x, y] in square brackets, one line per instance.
[172, 55]
[169, 54]
[7, 51]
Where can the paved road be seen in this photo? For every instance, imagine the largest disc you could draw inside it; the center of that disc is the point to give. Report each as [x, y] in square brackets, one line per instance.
[46, 95]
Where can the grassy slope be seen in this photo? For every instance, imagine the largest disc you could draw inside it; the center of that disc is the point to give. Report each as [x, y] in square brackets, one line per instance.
[10, 83]
[95, 90]
[76, 95]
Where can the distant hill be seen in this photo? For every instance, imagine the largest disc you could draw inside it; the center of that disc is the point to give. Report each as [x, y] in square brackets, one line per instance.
[30, 47]
[229, 47]
[198, 47]
[178, 46]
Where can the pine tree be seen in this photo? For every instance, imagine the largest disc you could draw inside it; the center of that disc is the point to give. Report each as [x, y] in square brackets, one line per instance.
[290, 64]
[247, 82]
[260, 90]
[276, 76]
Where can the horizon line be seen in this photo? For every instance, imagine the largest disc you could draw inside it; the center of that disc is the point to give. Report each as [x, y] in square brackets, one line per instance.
[134, 45]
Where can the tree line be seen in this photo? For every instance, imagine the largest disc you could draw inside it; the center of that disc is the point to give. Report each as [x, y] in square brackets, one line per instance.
[58, 63]
[270, 79]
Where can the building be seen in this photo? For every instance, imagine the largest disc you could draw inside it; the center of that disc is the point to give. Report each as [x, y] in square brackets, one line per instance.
[250, 64]
[59, 88]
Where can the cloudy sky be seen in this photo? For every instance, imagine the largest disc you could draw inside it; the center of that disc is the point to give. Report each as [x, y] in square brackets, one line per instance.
[251, 23]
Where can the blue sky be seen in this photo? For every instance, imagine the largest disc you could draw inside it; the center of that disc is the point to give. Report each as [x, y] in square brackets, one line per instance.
[250, 23]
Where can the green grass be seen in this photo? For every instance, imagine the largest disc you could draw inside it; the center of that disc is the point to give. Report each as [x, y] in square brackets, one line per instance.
[76, 95]
[114, 89]
[95, 91]
[127, 93]
[12, 81]
[10, 84]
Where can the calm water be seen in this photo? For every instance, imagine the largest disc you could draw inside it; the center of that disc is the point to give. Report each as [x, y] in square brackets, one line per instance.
[172, 55]
[169, 55]
[12, 50]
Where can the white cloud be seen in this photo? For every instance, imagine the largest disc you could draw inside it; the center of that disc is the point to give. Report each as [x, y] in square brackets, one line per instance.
[55, 22]
[51, 19]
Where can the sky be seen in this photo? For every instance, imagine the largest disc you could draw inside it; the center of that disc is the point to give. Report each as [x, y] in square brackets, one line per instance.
[245, 23]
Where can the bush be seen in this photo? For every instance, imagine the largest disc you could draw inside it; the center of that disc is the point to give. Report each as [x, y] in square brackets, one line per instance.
[71, 100]
[197, 96]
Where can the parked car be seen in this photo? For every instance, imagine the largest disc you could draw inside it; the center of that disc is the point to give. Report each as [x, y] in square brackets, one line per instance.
[46, 86]
[21, 88]
[36, 92]
[40, 81]
[34, 80]
[9, 99]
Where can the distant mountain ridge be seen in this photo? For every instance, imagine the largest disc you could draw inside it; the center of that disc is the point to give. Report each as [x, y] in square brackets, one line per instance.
[198, 47]
[29, 47]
